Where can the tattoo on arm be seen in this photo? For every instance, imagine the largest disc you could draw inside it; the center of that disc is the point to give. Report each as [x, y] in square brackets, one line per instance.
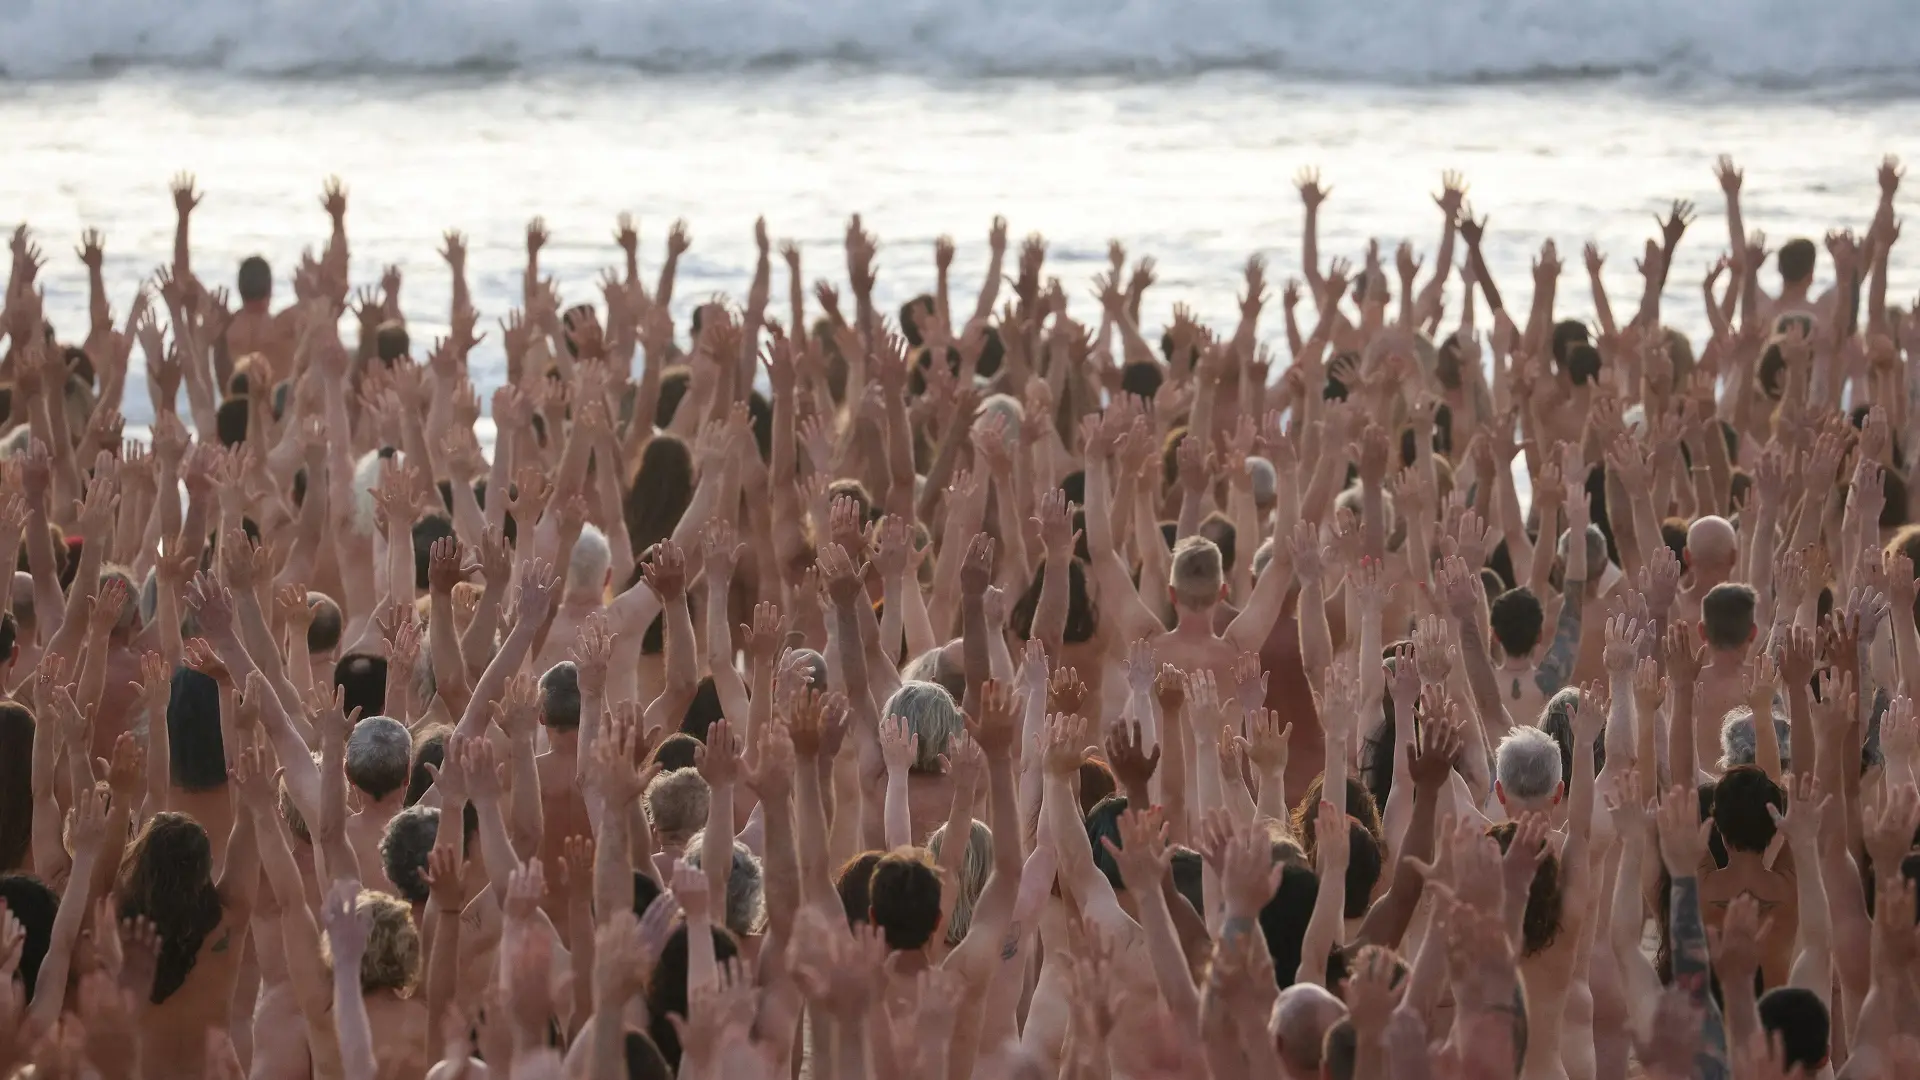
[1558, 663]
[1691, 972]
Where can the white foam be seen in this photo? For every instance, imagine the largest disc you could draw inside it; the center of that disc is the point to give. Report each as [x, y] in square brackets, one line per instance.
[1766, 41]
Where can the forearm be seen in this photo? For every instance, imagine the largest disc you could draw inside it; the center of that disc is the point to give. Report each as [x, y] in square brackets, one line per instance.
[1691, 969]
[523, 801]
[50, 986]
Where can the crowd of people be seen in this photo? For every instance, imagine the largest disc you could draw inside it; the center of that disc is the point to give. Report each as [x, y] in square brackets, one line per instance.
[972, 692]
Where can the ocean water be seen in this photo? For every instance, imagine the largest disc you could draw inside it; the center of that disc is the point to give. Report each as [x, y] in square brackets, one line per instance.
[1173, 127]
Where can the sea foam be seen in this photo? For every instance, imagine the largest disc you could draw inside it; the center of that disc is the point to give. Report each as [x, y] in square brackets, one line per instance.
[1766, 42]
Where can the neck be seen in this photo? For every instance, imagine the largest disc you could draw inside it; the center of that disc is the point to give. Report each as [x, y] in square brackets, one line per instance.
[1745, 860]
[1192, 621]
[564, 742]
[1727, 658]
[1795, 290]
[256, 307]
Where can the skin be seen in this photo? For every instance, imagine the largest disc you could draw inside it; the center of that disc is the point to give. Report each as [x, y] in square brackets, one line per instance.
[1089, 979]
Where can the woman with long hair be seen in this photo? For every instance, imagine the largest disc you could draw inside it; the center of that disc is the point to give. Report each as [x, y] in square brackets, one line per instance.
[167, 877]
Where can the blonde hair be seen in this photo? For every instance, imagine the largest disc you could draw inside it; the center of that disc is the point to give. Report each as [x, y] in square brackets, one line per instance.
[392, 959]
[1196, 575]
[973, 875]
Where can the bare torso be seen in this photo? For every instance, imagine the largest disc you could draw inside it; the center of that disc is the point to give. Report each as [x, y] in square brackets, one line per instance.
[173, 1034]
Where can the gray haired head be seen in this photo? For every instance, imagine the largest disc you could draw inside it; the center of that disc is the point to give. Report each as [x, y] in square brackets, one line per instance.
[1527, 764]
[746, 903]
[379, 756]
[1738, 745]
[931, 714]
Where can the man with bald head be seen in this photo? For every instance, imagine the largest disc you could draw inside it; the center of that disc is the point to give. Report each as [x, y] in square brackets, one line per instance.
[1713, 553]
[1298, 1026]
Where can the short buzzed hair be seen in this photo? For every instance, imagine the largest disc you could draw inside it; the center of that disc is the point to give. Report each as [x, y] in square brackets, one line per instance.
[379, 756]
[1197, 572]
[1726, 614]
[1527, 764]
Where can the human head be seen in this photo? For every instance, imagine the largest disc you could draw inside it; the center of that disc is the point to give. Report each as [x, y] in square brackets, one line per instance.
[1264, 482]
[1556, 719]
[1218, 528]
[703, 709]
[1740, 802]
[390, 341]
[197, 752]
[1197, 580]
[677, 803]
[677, 751]
[1596, 551]
[910, 314]
[853, 882]
[404, 848]
[931, 714]
[1583, 364]
[1799, 1019]
[591, 566]
[1527, 770]
[379, 756]
[973, 874]
[1541, 922]
[1298, 1025]
[36, 906]
[1566, 334]
[661, 489]
[255, 281]
[429, 748]
[903, 898]
[1516, 617]
[560, 697]
[667, 986]
[166, 875]
[1738, 740]
[1796, 261]
[1141, 378]
[1364, 859]
[363, 678]
[1712, 549]
[323, 633]
[940, 664]
[392, 959]
[746, 904]
[1361, 807]
[813, 666]
[230, 421]
[1726, 616]
[431, 527]
[1083, 620]
[16, 784]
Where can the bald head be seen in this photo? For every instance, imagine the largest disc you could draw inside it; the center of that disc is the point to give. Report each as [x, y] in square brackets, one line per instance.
[1711, 549]
[1299, 1024]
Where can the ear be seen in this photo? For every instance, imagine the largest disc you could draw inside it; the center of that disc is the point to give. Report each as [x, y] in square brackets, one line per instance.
[1173, 598]
[1700, 627]
[1223, 592]
[1753, 632]
[1559, 793]
[1500, 792]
